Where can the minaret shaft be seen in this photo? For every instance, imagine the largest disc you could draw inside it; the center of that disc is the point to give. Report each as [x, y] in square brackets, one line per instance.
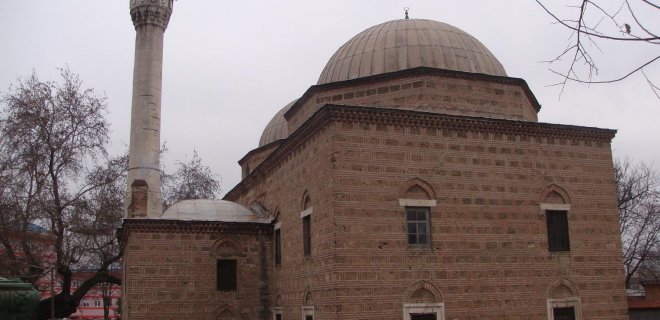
[143, 196]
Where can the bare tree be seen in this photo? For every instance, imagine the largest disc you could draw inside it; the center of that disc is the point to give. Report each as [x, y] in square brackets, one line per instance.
[191, 180]
[61, 194]
[55, 173]
[638, 195]
[590, 22]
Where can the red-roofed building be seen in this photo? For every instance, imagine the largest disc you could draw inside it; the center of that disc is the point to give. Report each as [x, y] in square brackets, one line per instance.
[646, 307]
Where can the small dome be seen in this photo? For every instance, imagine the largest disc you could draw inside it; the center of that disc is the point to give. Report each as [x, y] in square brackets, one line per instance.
[211, 210]
[403, 44]
[277, 128]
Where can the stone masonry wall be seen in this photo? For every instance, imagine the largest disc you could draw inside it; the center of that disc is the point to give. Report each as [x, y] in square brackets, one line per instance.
[302, 170]
[489, 256]
[172, 275]
[430, 93]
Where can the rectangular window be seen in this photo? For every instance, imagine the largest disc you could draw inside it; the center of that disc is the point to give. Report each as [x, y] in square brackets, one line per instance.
[423, 316]
[557, 221]
[567, 313]
[97, 303]
[309, 317]
[278, 316]
[307, 234]
[418, 226]
[226, 275]
[278, 247]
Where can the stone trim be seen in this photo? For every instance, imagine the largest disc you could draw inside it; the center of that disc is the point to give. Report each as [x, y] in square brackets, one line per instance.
[563, 303]
[417, 203]
[554, 206]
[276, 311]
[412, 308]
[306, 212]
[307, 311]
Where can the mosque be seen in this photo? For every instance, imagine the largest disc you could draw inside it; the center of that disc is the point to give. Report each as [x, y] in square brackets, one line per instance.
[413, 181]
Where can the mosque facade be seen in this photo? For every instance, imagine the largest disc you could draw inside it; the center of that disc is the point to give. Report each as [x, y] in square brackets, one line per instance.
[413, 181]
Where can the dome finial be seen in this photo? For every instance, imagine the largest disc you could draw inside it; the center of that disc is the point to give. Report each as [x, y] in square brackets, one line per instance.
[406, 10]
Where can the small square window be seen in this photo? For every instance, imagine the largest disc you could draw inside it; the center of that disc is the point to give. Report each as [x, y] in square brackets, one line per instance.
[418, 226]
[226, 275]
[557, 223]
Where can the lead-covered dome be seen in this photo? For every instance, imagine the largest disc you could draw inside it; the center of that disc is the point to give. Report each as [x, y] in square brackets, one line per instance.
[277, 128]
[404, 44]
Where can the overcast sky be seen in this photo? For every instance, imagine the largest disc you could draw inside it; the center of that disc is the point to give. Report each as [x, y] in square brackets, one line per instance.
[229, 66]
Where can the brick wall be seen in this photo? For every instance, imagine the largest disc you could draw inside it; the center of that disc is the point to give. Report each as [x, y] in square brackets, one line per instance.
[489, 256]
[171, 274]
[429, 93]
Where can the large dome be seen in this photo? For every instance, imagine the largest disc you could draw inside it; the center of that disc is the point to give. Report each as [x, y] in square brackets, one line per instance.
[404, 44]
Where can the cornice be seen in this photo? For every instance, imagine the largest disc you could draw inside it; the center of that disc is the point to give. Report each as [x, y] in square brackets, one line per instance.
[179, 226]
[409, 118]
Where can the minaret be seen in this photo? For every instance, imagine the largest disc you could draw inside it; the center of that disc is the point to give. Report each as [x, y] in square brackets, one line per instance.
[143, 197]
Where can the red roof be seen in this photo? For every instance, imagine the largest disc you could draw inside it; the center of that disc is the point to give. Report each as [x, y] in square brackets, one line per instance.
[643, 303]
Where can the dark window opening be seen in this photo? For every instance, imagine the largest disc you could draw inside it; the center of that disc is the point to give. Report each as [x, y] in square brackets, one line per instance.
[557, 222]
[567, 313]
[309, 317]
[226, 275]
[278, 247]
[278, 316]
[418, 226]
[307, 235]
[423, 316]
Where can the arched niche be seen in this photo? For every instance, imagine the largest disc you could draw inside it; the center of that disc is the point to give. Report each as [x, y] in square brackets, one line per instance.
[417, 189]
[554, 194]
[223, 312]
[422, 292]
[225, 248]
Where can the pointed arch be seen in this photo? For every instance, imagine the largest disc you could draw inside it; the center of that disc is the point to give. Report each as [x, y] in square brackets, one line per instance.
[417, 189]
[226, 247]
[562, 288]
[308, 299]
[554, 194]
[422, 292]
[223, 312]
[306, 201]
[563, 294]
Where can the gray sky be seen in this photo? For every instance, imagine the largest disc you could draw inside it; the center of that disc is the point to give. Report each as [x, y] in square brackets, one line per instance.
[229, 66]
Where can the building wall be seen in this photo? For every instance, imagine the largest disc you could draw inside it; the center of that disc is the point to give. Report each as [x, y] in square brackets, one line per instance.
[293, 172]
[489, 256]
[171, 273]
[428, 93]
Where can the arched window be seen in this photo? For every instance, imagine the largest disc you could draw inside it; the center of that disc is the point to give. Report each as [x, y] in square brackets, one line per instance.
[423, 301]
[306, 216]
[226, 251]
[555, 204]
[563, 301]
[308, 305]
[417, 197]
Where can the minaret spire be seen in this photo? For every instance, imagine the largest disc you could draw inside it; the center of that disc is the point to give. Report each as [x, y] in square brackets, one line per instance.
[143, 196]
